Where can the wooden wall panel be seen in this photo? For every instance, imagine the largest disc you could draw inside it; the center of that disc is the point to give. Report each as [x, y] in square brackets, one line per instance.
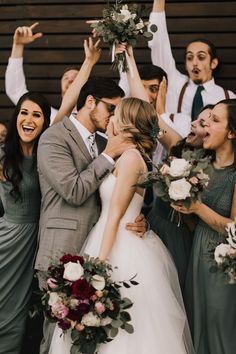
[64, 28]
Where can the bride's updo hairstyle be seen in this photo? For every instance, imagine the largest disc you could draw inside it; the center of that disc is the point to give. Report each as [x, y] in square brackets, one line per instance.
[140, 119]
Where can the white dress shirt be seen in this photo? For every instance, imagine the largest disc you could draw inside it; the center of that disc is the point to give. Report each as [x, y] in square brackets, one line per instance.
[15, 84]
[85, 133]
[161, 55]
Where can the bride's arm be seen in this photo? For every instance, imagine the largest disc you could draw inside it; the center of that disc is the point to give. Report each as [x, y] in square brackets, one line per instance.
[122, 195]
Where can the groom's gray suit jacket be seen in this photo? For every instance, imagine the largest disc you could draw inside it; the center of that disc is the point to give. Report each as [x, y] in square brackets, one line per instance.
[69, 182]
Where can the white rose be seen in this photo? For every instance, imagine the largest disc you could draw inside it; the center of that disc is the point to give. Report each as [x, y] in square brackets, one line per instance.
[179, 167]
[126, 13]
[98, 282]
[139, 25]
[91, 320]
[54, 298]
[220, 252]
[73, 271]
[180, 189]
[231, 229]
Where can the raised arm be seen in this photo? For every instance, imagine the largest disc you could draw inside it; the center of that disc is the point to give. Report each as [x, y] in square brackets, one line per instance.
[121, 197]
[158, 6]
[161, 52]
[14, 77]
[92, 55]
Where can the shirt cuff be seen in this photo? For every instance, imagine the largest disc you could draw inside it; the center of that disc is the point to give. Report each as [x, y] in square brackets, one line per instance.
[15, 61]
[109, 158]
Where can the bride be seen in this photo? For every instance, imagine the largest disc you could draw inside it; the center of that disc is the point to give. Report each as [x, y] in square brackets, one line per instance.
[158, 315]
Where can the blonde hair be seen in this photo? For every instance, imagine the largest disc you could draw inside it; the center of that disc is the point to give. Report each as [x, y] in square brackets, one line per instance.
[140, 119]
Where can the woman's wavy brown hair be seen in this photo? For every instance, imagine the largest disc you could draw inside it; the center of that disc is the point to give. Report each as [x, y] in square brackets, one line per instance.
[140, 119]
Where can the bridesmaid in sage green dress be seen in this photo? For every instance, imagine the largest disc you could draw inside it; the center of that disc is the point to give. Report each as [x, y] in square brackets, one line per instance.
[211, 301]
[178, 238]
[20, 196]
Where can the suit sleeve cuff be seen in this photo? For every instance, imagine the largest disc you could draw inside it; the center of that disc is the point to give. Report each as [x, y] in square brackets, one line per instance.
[109, 158]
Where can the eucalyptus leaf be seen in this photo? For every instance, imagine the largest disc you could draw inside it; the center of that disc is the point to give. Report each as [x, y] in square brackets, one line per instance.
[129, 328]
[116, 323]
[114, 331]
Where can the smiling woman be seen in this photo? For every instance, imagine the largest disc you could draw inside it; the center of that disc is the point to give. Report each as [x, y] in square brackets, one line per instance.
[20, 195]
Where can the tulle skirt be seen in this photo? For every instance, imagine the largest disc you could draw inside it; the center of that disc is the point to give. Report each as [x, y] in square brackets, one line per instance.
[158, 314]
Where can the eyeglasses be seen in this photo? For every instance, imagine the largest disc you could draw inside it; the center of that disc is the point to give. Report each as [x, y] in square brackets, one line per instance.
[110, 107]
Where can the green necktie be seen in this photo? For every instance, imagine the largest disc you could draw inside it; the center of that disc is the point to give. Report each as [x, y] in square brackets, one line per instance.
[197, 102]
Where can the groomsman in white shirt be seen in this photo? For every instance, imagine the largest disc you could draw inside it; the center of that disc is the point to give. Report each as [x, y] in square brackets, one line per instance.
[15, 78]
[186, 94]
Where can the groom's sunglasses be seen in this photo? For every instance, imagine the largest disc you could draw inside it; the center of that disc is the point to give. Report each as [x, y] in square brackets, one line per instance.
[110, 107]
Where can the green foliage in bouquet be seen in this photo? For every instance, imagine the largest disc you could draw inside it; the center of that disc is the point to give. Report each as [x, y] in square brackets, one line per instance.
[80, 296]
[225, 255]
[180, 179]
[123, 24]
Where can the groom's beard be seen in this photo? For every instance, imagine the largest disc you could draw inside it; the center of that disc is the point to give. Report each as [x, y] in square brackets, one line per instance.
[100, 124]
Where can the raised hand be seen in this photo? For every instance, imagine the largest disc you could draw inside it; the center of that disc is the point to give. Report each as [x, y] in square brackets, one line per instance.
[92, 50]
[24, 35]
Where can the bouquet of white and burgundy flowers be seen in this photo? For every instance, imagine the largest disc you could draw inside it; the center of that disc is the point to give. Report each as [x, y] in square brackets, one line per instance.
[180, 179]
[122, 24]
[225, 254]
[80, 295]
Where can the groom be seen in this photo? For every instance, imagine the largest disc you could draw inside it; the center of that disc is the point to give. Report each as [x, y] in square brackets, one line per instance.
[70, 177]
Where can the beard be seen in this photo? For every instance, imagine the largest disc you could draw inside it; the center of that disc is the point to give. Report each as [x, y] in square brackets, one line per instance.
[95, 122]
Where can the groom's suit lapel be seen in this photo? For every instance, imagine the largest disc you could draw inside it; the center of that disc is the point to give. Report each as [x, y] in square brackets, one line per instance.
[75, 135]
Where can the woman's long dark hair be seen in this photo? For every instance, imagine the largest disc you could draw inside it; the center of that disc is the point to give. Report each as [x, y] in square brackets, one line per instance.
[13, 154]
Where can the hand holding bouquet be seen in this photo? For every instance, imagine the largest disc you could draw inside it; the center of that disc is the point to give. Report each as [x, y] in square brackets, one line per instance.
[180, 180]
[80, 295]
[122, 24]
[225, 254]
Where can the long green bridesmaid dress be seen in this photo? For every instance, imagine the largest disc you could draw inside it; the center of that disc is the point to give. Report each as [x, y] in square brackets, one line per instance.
[18, 238]
[210, 300]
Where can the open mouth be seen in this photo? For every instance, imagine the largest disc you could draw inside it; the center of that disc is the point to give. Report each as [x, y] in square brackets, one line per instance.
[195, 71]
[207, 135]
[191, 135]
[27, 129]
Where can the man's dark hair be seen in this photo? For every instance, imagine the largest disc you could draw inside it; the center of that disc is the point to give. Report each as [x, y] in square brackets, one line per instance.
[152, 72]
[99, 87]
[211, 47]
[68, 68]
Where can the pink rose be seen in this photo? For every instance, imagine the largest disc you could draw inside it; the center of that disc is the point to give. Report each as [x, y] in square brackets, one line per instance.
[99, 307]
[93, 297]
[165, 170]
[52, 283]
[60, 310]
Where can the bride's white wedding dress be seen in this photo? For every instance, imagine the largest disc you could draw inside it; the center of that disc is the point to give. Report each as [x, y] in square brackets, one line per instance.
[158, 315]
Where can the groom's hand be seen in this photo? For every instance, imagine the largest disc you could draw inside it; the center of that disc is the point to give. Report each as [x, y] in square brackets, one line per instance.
[139, 226]
[117, 142]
